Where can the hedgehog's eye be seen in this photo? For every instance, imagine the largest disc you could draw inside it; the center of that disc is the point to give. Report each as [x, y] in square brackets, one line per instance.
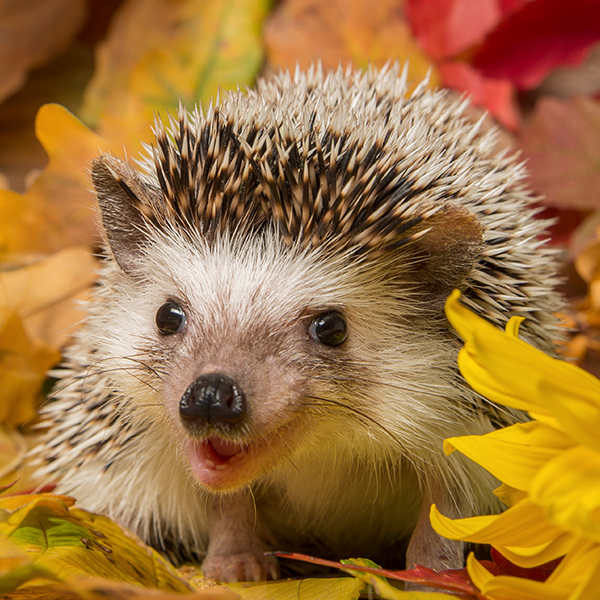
[170, 318]
[329, 328]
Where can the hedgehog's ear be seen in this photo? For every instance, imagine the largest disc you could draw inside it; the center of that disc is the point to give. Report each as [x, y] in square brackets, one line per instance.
[122, 196]
[446, 252]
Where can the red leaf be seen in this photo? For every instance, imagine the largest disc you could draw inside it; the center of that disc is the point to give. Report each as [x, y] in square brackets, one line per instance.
[562, 145]
[456, 581]
[495, 95]
[541, 36]
[566, 222]
[445, 28]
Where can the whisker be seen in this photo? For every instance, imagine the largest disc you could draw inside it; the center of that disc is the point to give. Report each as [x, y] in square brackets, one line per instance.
[355, 411]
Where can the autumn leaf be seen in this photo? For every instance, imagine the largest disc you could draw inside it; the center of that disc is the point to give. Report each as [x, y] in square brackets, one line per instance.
[46, 284]
[343, 32]
[14, 466]
[561, 143]
[450, 581]
[343, 588]
[496, 95]
[30, 33]
[159, 52]
[16, 570]
[526, 46]
[56, 212]
[489, 48]
[23, 366]
[68, 542]
[445, 28]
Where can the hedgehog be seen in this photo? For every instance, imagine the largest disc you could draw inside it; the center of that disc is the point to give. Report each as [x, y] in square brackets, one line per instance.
[265, 362]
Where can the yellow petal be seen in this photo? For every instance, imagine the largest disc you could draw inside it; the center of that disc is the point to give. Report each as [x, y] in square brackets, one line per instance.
[514, 454]
[509, 495]
[568, 490]
[583, 558]
[539, 555]
[521, 525]
[580, 571]
[512, 327]
[479, 575]
[512, 588]
[509, 371]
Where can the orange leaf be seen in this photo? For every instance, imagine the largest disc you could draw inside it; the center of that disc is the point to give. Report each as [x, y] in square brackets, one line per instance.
[23, 366]
[56, 211]
[342, 32]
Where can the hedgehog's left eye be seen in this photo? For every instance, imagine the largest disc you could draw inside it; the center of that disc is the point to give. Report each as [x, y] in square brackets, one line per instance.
[170, 318]
[329, 328]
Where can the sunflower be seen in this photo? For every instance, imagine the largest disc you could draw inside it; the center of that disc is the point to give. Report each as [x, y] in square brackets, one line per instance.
[550, 466]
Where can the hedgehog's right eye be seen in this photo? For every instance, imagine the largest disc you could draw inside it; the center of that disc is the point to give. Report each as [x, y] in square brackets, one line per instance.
[329, 328]
[170, 318]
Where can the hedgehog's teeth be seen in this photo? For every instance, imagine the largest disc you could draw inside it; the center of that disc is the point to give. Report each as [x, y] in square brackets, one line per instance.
[223, 448]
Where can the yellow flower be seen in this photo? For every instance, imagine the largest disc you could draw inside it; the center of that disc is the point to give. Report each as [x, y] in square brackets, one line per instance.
[550, 467]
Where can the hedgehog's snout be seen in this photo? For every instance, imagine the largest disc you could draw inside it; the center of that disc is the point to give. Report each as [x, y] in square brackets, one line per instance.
[212, 400]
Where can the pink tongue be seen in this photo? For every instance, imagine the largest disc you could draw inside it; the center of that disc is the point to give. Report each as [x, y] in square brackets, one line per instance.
[224, 448]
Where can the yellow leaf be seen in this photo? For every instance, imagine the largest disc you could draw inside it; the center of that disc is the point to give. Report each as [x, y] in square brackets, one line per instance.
[23, 367]
[159, 51]
[69, 542]
[587, 261]
[13, 449]
[344, 588]
[16, 570]
[36, 288]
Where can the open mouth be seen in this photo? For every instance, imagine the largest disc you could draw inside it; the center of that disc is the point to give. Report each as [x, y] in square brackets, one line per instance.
[222, 464]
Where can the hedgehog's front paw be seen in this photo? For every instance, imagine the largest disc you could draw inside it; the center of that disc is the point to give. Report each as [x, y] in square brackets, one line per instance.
[246, 566]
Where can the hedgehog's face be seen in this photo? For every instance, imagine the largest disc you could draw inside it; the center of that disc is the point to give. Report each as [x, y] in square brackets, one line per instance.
[265, 345]
[255, 345]
[264, 356]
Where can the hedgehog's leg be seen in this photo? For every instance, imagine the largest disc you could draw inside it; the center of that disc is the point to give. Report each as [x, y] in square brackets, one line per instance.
[426, 547]
[236, 546]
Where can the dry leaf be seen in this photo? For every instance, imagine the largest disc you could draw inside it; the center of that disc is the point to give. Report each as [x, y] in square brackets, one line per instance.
[159, 51]
[300, 32]
[31, 32]
[342, 588]
[445, 28]
[33, 290]
[561, 143]
[57, 210]
[23, 367]
[13, 450]
[496, 95]
[70, 543]
[542, 35]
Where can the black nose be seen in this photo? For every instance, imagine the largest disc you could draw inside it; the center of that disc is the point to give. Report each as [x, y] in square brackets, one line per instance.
[213, 399]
